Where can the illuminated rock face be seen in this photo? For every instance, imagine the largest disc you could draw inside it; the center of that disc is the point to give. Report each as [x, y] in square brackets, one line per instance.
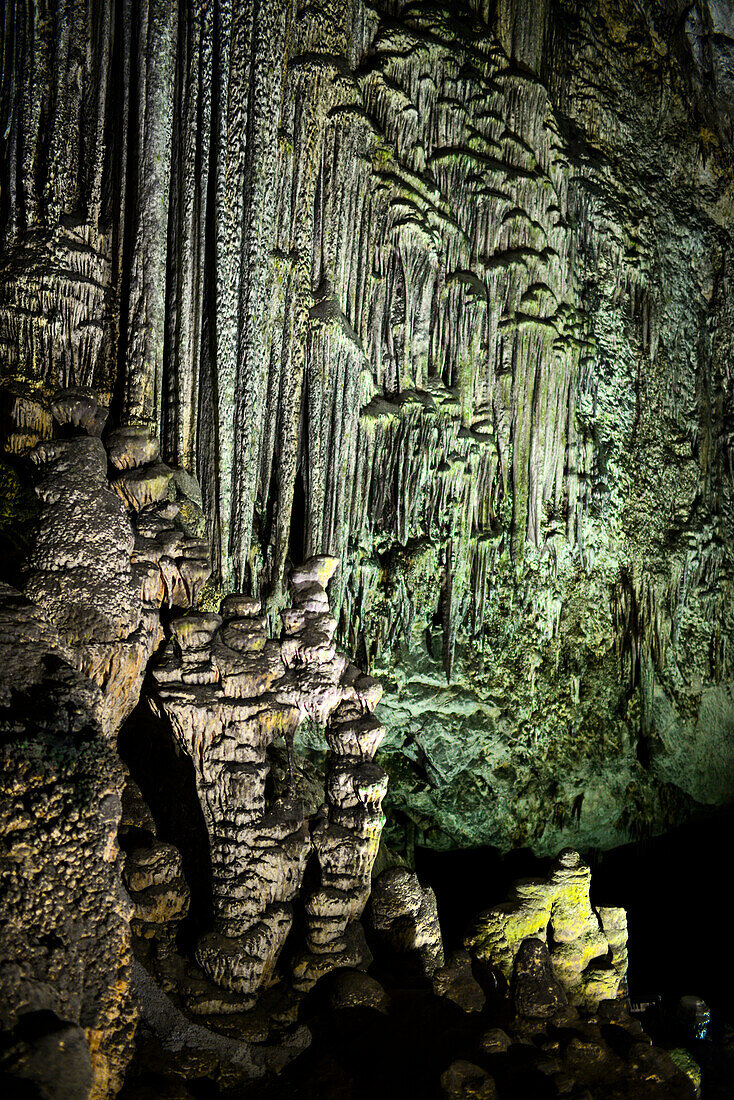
[64, 917]
[231, 694]
[440, 290]
[588, 947]
[104, 557]
[109, 550]
[404, 918]
[74, 649]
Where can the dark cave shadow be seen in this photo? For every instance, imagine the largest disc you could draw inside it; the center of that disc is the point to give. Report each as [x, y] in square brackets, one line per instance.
[674, 890]
[165, 776]
[468, 880]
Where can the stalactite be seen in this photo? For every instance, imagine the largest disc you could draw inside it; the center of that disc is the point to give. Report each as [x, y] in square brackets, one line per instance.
[424, 270]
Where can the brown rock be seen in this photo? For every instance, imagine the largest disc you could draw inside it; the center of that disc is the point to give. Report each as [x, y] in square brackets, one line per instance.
[495, 1041]
[535, 991]
[405, 917]
[465, 1081]
[456, 982]
[355, 989]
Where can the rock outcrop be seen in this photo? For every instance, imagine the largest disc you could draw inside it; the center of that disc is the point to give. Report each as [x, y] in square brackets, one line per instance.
[588, 948]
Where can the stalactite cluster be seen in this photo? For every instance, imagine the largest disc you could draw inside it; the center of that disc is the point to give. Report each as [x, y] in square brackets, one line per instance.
[442, 290]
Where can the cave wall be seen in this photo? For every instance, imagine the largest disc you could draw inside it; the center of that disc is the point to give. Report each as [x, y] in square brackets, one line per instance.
[443, 290]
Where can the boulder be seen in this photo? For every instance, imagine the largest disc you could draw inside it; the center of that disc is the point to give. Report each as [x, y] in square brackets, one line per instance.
[465, 1081]
[355, 989]
[456, 982]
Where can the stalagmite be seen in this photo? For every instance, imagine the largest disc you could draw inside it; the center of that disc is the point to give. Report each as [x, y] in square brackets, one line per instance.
[230, 693]
[435, 298]
[588, 955]
[388, 282]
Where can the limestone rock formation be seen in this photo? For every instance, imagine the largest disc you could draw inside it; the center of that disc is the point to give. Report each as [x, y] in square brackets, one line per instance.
[152, 872]
[536, 993]
[404, 916]
[68, 1013]
[455, 980]
[588, 949]
[75, 647]
[439, 289]
[101, 571]
[355, 989]
[437, 292]
[109, 551]
[230, 694]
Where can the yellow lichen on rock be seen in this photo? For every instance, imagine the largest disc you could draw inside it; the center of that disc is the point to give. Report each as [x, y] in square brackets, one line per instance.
[588, 948]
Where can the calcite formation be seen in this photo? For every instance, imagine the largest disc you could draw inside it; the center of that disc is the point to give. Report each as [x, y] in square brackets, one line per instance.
[106, 553]
[231, 694]
[588, 947]
[152, 871]
[442, 290]
[68, 1013]
[75, 647]
[536, 993]
[404, 916]
[437, 291]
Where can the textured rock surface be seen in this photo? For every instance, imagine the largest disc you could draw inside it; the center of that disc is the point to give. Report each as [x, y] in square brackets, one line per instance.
[536, 993]
[588, 949]
[232, 696]
[456, 981]
[354, 989]
[99, 570]
[404, 916]
[465, 1081]
[68, 1014]
[71, 671]
[466, 324]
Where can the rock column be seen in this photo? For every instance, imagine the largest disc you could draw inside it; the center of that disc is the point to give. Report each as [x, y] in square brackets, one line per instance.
[230, 694]
[347, 836]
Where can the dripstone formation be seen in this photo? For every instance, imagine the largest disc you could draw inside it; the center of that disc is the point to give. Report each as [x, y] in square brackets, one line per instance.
[436, 298]
[442, 290]
[230, 693]
[111, 565]
[75, 647]
[588, 947]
